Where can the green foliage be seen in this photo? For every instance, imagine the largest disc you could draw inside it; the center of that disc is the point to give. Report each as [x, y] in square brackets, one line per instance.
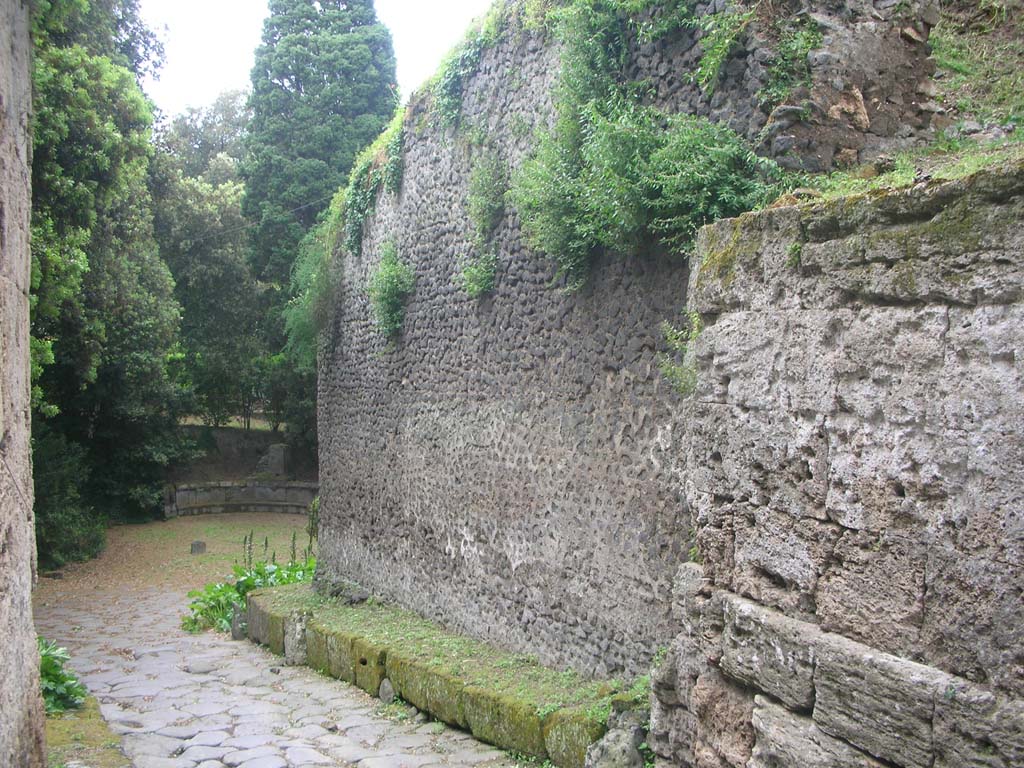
[322, 89]
[789, 68]
[612, 173]
[983, 69]
[67, 528]
[61, 689]
[462, 62]
[677, 365]
[389, 285]
[488, 183]
[379, 166]
[209, 142]
[213, 606]
[721, 33]
[104, 318]
[478, 274]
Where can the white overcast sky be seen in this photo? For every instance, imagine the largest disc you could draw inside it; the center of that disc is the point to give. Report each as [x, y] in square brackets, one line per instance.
[210, 43]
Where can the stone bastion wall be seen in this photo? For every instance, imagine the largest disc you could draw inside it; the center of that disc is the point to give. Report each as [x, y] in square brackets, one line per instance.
[826, 535]
[501, 466]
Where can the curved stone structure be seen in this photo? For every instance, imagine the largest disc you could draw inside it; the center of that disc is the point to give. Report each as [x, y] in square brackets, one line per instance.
[251, 496]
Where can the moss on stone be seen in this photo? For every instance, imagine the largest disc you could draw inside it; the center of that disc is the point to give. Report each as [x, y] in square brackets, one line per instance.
[370, 658]
[568, 733]
[504, 720]
[427, 687]
[502, 697]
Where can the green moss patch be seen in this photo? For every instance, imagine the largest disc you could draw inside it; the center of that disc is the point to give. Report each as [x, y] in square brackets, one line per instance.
[506, 699]
[83, 735]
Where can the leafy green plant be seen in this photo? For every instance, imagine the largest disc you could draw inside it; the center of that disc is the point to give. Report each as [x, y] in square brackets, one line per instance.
[721, 32]
[61, 689]
[677, 365]
[789, 68]
[389, 285]
[478, 274]
[485, 201]
[612, 173]
[213, 606]
[462, 62]
[377, 167]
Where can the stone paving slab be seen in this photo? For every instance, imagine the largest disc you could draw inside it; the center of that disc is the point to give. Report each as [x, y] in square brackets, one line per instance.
[205, 701]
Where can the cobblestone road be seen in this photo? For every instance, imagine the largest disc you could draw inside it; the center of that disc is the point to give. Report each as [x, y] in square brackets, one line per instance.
[205, 701]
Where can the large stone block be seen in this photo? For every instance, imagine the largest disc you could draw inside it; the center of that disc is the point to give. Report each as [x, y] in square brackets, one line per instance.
[725, 733]
[879, 703]
[787, 740]
[769, 651]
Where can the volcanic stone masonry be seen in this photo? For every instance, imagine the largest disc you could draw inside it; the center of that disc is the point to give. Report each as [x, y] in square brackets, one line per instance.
[21, 711]
[827, 535]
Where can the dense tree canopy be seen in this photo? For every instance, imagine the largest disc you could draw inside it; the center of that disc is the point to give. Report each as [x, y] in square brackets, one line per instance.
[322, 90]
[104, 319]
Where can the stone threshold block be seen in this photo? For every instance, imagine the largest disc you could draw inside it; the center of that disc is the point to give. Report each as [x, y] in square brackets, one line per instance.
[501, 698]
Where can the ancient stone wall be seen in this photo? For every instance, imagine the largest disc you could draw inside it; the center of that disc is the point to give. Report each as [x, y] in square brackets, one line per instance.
[509, 465]
[852, 461]
[21, 716]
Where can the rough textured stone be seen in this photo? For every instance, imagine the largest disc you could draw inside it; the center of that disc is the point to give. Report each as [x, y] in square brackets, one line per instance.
[21, 718]
[262, 495]
[880, 703]
[516, 452]
[786, 740]
[769, 651]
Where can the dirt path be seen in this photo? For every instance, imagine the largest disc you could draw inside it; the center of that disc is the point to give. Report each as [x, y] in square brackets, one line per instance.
[204, 701]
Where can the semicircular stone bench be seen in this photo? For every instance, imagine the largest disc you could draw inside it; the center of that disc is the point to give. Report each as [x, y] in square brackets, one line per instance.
[292, 497]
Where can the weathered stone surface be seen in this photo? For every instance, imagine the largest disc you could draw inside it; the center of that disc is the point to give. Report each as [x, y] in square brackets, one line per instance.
[769, 651]
[787, 740]
[975, 729]
[877, 702]
[254, 495]
[725, 734]
[21, 718]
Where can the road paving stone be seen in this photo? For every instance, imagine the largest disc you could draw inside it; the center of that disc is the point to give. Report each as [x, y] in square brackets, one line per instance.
[179, 700]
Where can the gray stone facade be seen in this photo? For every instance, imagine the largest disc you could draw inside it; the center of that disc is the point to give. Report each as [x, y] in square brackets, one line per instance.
[826, 535]
[21, 712]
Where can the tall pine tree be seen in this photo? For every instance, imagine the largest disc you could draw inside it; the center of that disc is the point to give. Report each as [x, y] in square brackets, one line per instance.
[322, 90]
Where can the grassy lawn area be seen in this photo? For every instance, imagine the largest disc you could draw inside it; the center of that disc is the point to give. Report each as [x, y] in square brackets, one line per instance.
[157, 554]
[82, 735]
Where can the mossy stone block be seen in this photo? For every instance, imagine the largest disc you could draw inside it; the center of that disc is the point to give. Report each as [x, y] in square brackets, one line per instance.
[316, 648]
[275, 632]
[340, 658]
[256, 619]
[568, 733]
[369, 663]
[504, 721]
[427, 687]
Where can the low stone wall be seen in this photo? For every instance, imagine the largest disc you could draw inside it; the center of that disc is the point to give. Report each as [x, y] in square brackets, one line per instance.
[212, 498]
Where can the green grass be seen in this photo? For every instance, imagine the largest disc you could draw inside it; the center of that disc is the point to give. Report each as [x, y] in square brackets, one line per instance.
[474, 662]
[981, 68]
[944, 162]
[83, 736]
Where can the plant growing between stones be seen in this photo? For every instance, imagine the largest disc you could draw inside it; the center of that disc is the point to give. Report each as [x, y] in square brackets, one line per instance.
[389, 285]
[789, 68]
[721, 33]
[613, 173]
[677, 365]
[488, 184]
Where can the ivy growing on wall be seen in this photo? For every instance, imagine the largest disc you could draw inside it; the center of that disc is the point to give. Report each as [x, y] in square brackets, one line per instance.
[377, 167]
